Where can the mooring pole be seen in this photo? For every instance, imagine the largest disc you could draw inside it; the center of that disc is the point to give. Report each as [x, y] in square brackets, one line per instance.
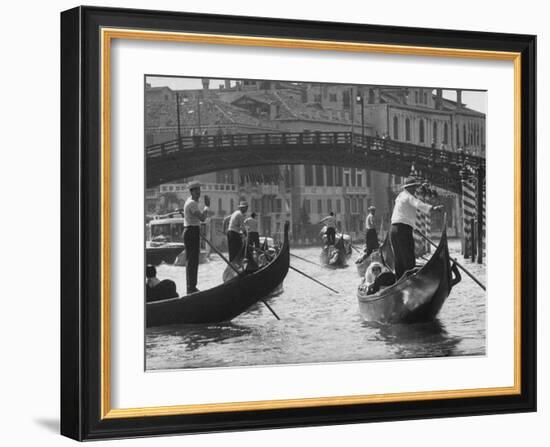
[178, 115]
[480, 215]
[473, 239]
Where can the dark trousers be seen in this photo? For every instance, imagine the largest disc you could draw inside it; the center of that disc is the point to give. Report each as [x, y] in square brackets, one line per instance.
[191, 239]
[371, 241]
[331, 235]
[402, 242]
[234, 244]
[254, 239]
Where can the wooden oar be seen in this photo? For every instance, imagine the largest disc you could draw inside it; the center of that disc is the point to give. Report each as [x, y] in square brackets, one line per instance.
[234, 269]
[306, 260]
[313, 279]
[454, 260]
[306, 275]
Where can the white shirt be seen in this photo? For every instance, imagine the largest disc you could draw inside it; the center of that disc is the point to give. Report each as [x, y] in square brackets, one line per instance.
[192, 215]
[236, 221]
[369, 224]
[251, 224]
[329, 221]
[404, 211]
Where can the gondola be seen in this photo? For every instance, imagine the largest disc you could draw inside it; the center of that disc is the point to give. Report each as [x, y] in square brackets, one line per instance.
[225, 301]
[416, 297]
[336, 255]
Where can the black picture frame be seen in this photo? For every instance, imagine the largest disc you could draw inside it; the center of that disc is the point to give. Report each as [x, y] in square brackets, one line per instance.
[81, 224]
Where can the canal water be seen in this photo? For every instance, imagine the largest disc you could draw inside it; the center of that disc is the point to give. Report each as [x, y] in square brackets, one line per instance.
[317, 325]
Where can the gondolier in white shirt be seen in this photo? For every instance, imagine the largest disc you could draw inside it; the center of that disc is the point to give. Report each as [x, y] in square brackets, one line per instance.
[235, 231]
[403, 221]
[371, 236]
[192, 218]
[251, 225]
[330, 223]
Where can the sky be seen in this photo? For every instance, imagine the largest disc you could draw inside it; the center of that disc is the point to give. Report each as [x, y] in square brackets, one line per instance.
[476, 100]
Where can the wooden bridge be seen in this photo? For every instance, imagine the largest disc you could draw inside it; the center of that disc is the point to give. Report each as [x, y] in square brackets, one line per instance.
[196, 155]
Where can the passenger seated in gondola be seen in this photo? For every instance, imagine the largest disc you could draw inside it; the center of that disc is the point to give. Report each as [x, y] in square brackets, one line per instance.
[156, 289]
[377, 277]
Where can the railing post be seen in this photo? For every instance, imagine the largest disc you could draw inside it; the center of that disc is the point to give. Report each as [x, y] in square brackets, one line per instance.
[473, 239]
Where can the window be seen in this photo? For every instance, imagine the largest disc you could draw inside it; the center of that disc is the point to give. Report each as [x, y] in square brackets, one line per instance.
[308, 175]
[346, 179]
[346, 205]
[457, 136]
[353, 176]
[316, 98]
[330, 175]
[278, 205]
[354, 205]
[166, 97]
[416, 97]
[339, 176]
[320, 175]
[395, 128]
[332, 97]
[425, 98]
[329, 205]
[346, 99]
[371, 96]
[368, 178]
[307, 206]
[320, 206]
[421, 131]
[445, 133]
[434, 134]
[338, 206]
[220, 207]
[464, 138]
[408, 129]
[359, 179]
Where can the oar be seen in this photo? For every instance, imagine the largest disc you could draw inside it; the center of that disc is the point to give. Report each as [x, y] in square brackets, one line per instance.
[234, 269]
[306, 260]
[306, 275]
[313, 279]
[454, 260]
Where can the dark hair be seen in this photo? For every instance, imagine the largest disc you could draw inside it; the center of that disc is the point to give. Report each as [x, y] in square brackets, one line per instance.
[253, 215]
[331, 213]
[151, 271]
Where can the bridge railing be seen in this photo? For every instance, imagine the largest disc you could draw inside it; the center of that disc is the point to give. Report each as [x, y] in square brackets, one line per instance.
[327, 140]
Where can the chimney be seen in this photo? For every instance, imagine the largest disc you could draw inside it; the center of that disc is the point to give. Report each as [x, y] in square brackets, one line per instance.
[459, 99]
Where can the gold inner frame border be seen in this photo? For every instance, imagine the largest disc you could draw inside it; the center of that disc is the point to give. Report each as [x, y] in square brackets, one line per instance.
[107, 35]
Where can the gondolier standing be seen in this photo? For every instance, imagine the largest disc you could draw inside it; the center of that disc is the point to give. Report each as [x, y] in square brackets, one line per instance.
[330, 223]
[192, 218]
[251, 225]
[235, 231]
[371, 237]
[402, 223]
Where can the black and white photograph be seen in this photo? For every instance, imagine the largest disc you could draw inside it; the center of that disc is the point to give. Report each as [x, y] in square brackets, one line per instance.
[304, 222]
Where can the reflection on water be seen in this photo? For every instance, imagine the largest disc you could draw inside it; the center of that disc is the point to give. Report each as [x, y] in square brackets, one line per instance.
[316, 325]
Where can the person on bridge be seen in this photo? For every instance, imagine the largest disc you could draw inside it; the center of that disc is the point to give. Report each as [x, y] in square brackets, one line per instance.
[403, 220]
[371, 236]
[192, 218]
[235, 231]
[330, 223]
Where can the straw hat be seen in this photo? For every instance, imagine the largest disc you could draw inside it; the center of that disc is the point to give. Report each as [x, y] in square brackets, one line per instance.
[410, 182]
[243, 204]
[371, 208]
[193, 185]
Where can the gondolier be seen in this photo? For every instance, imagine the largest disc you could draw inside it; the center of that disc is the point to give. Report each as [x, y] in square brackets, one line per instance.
[192, 218]
[251, 225]
[402, 223]
[330, 223]
[235, 231]
[371, 236]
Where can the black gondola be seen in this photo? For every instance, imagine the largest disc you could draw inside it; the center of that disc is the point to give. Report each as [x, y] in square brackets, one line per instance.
[416, 297]
[225, 301]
